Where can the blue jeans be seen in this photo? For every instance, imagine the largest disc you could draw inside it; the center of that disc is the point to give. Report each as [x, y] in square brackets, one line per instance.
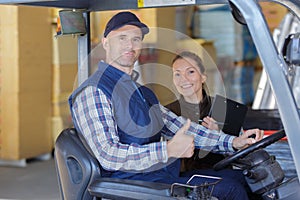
[231, 187]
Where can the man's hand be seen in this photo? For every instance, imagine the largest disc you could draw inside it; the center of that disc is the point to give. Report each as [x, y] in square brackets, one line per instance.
[181, 145]
[246, 138]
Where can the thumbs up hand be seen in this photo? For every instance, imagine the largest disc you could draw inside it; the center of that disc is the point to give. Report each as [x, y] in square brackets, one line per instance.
[181, 145]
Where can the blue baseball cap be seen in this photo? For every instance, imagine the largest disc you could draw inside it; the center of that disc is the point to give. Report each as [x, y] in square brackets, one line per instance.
[122, 19]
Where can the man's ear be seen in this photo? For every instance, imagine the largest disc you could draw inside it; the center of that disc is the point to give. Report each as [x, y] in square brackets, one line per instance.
[104, 43]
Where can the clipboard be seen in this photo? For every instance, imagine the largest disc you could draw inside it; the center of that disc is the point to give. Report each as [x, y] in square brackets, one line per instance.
[229, 114]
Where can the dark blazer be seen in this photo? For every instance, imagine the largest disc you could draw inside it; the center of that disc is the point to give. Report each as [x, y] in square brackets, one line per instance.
[195, 112]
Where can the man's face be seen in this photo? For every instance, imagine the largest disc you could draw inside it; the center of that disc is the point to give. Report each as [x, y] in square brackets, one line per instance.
[123, 47]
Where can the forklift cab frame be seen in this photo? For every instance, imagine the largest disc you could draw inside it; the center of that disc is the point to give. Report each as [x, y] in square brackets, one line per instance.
[249, 12]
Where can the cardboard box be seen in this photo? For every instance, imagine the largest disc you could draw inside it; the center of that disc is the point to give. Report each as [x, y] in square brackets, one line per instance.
[64, 81]
[274, 13]
[25, 86]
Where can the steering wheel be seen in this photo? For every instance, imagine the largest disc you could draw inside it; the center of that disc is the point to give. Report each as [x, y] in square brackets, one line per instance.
[242, 153]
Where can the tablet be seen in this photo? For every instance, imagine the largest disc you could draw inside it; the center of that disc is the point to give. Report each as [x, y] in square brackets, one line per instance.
[229, 114]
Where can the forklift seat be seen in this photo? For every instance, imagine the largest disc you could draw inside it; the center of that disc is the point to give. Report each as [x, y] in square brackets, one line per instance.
[79, 175]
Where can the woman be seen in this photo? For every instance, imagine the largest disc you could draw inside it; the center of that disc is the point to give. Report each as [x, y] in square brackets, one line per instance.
[194, 103]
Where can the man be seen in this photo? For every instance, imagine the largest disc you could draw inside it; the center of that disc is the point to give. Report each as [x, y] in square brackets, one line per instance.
[123, 122]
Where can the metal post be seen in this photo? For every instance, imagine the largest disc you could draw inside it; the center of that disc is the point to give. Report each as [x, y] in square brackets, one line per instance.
[84, 48]
[275, 68]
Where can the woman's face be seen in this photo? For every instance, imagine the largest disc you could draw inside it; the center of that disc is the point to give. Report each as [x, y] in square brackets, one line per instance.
[188, 79]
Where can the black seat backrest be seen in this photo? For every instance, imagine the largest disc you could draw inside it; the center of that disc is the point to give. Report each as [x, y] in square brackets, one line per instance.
[76, 167]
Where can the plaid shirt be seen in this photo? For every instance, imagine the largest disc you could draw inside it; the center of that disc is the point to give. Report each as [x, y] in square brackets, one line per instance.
[93, 113]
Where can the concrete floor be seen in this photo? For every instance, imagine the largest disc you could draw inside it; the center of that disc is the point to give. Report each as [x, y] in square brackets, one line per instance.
[36, 181]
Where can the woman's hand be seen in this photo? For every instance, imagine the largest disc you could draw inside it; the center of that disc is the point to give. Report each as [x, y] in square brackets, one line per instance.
[210, 123]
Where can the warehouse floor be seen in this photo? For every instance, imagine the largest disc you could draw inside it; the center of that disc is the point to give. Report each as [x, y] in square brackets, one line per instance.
[36, 181]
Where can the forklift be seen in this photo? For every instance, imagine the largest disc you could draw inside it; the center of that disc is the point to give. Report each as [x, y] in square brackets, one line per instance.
[79, 173]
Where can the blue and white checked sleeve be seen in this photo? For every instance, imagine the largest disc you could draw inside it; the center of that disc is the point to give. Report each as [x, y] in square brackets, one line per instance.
[94, 115]
[206, 139]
